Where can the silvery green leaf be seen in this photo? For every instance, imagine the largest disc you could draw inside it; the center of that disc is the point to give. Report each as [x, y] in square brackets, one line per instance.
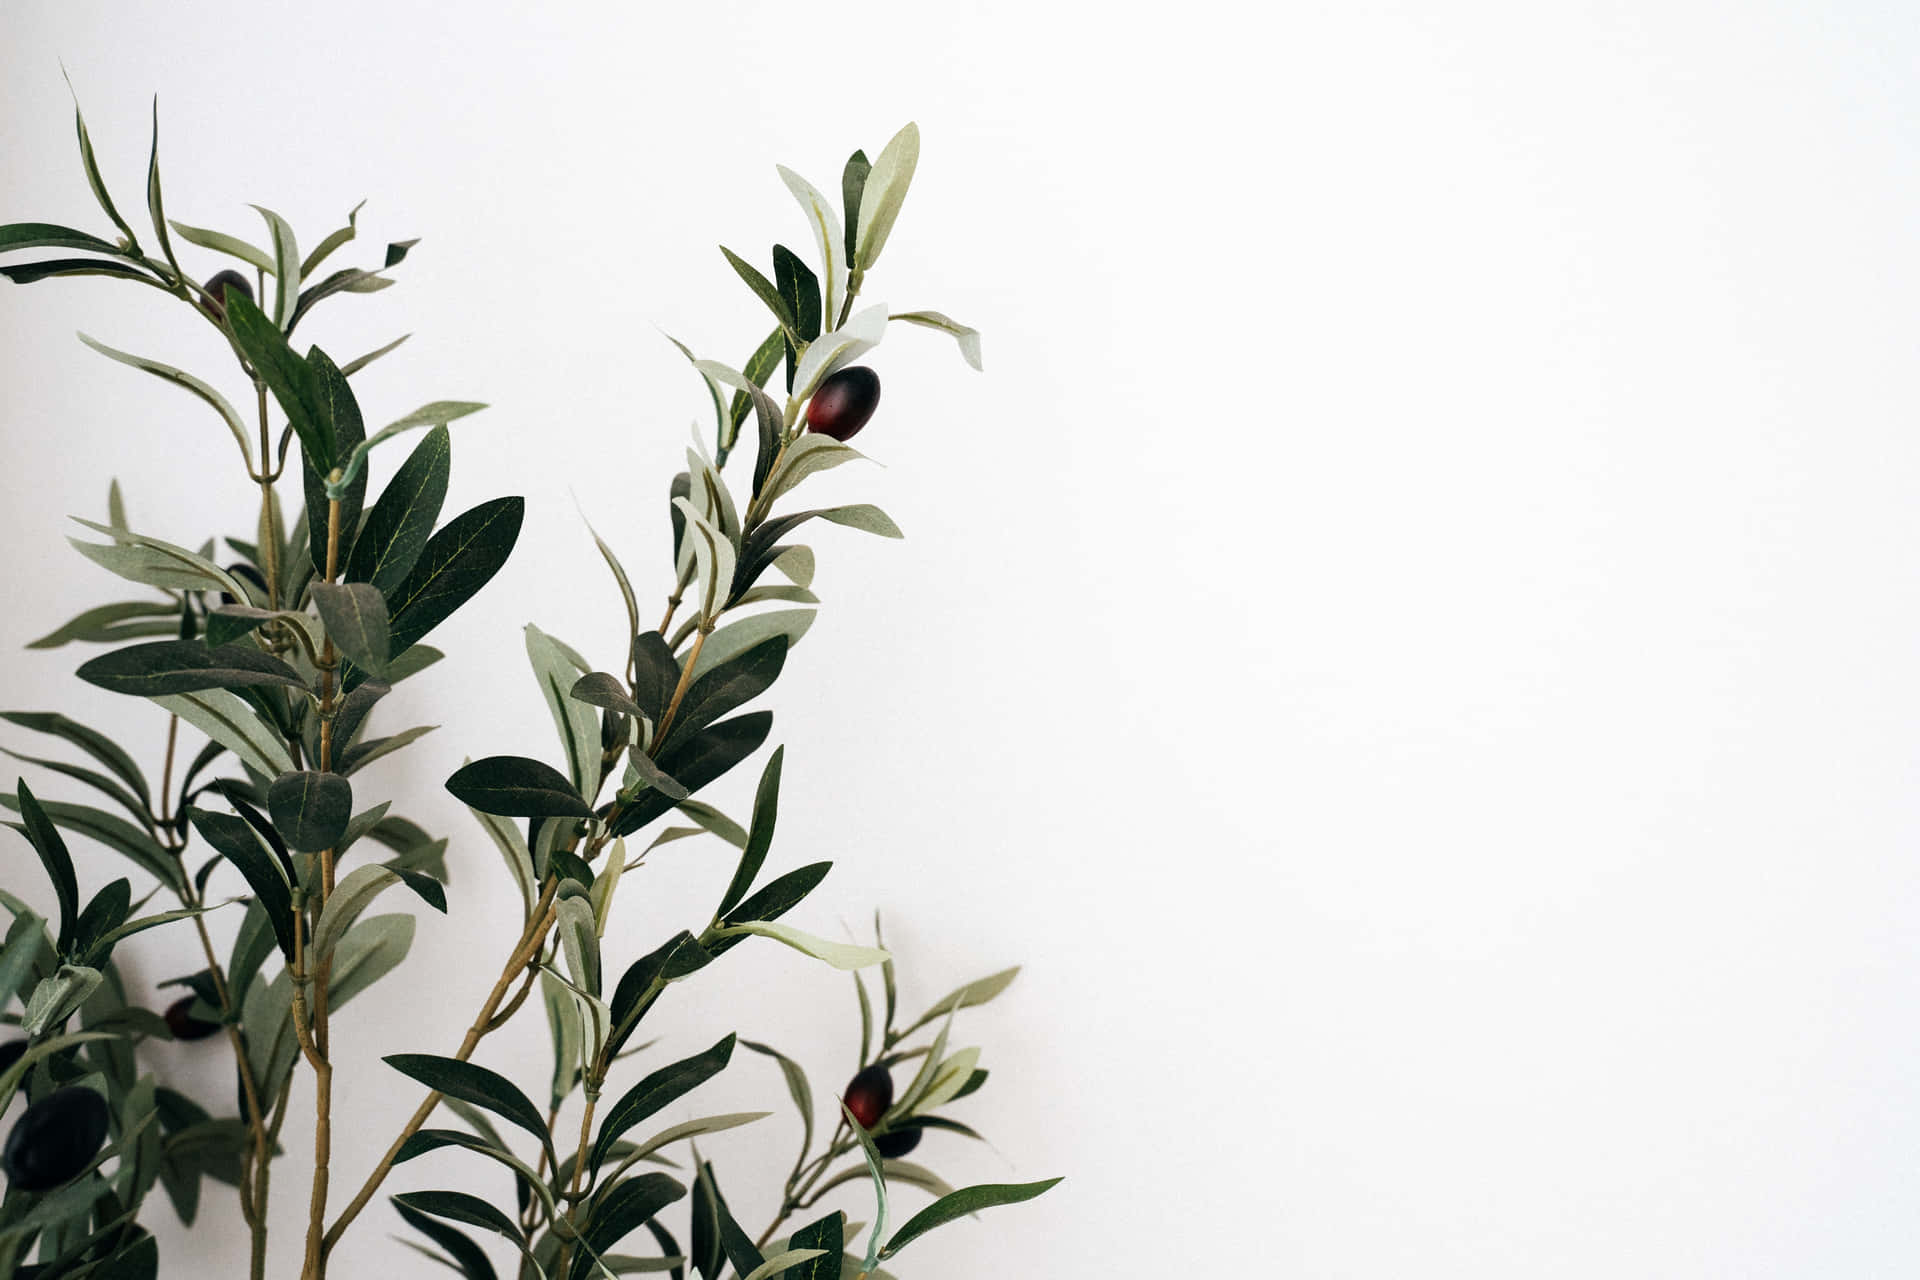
[604, 885]
[569, 1034]
[355, 615]
[57, 996]
[808, 455]
[353, 895]
[912, 1175]
[513, 851]
[778, 591]
[687, 1129]
[286, 267]
[780, 1263]
[828, 236]
[878, 1177]
[579, 939]
[369, 951]
[796, 564]
[358, 363]
[437, 414]
[94, 180]
[709, 494]
[230, 721]
[798, 1087]
[767, 412]
[220, 242]
[187, 382]
[326, 247]
[426, 1140]
[579, 728]
[974, 993]
[947, 1080]
[185, 570]
[969, 339]
[960, 1204]
[903, 1103]
[833, 351]
[619, 572]
[714, 821]
[713, 560]
[883, 193]
[734, 639]
[841, 955]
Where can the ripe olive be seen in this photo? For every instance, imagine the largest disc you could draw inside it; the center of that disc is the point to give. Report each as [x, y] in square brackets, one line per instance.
[10, 1053]
[220, 284]
[897, 1143]
[55, 1138]
[843, 403]
[184, 1025]
[869, 1095]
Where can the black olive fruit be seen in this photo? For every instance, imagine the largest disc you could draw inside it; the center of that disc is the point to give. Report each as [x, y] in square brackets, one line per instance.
[843, 403]
[10, 1053]
[869, 1095]
[899, 1142]
[184, 1025]
[55, 1138]
[220, 284]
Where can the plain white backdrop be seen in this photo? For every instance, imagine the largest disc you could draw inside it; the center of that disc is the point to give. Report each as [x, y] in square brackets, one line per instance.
[1411, 641]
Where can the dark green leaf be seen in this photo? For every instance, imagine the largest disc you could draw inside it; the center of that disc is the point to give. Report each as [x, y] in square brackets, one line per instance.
[458, 1206]
[656, 674]
[54, 857]
[355, 615]
[402, 519]
[351, 713]
[758, 368]
[107, 910]
[656, 1091]
[780, 896]
[98, 781]
[762, 288]
[800, 290]
[475, 1084]
[621, 1211]
[186, 666]
[516, 787]
[728, 686]
[45, 235]
[34, 272]
[310, 809]
[853, 185]
[294, 382]
[598, 689]
[229, 622]
[346, 280]
[91, 741]
[704, 1248]
[470, 1257]
[654, 776]
[456, 563]
[961, 1203]
[679, 956]
[339, 407]
[696, 761]
[766, 808]
[233, 839]
[829, 1234]
[114, 832]
[737, 1243]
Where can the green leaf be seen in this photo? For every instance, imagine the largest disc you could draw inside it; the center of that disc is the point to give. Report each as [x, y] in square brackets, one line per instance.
[34, 272]
[598, 689]
[828, 238]
[371, 950]
[334, 240]
[402, 519]
[475, 1084]
[798, 1087]
[95, 181]
[696, 761]
[656, 674]
[737, 638]
[234, 840]
[114, 832]
[220, 242]
[155, 562]
[458, 1206]
[780, 896]
[91, 741]
[310, 809]
[831, 352]
[621, 1211]
[758, 368]
[841, 955]
[230, 721]
[468, 1258]
[292, 380]
[426, 1140]
[286, 268]
[98, 781]
[455, 564]
[799, 290]
[358, 363]
[826, 1235]
[853, 185]
[165, 667]
[186, 382]
[362, 754]
[349, 280]
[516, 787]
[762, 288]
[766, 807]
[579, 729]
[579, 939]
[729, 685]
[355, 615]
[437, 414]
[513, 850]
[969, 339]
[674, 959]
[884, 191]
[53, 856]
[961, 1203]
[46, 235]
[98, 625]
[977, 992]
[657, 1090]
[340, 408]
[713, 559]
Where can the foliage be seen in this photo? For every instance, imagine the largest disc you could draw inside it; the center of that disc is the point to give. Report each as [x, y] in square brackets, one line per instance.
[265, 663]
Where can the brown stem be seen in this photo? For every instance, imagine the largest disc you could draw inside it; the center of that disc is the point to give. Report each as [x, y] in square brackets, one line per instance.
[680, 689]
[579, 1169]
[270, 542]
[531, 940]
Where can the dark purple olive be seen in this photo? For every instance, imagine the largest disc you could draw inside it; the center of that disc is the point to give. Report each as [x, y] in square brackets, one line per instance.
[843, 403]
[55, 1138]
[220, 284]
[898, 1143]
[869, 1095]
[10, 1053]
[184, 1025]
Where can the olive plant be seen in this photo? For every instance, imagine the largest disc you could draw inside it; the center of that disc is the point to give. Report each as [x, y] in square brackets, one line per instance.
[265, 664]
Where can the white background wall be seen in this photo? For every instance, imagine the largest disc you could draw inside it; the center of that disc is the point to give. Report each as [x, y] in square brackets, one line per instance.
[1411, 640]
